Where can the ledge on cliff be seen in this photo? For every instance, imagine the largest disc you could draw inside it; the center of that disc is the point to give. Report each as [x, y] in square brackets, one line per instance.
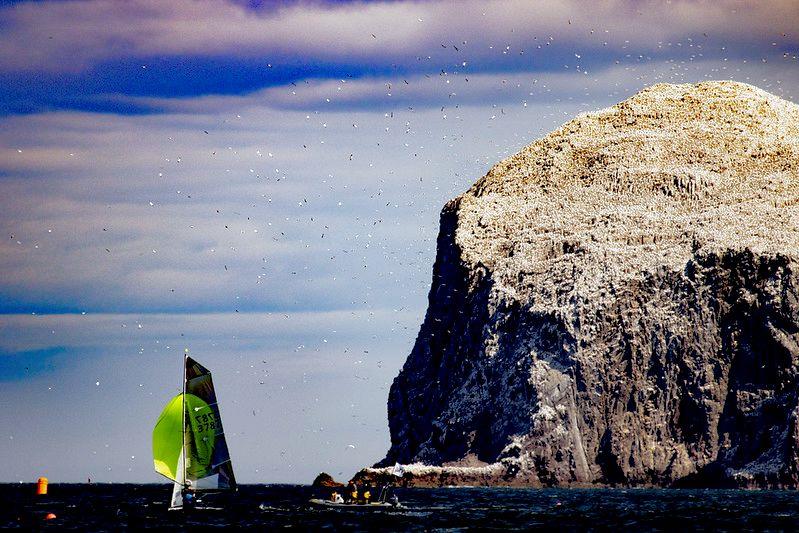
[617, 304]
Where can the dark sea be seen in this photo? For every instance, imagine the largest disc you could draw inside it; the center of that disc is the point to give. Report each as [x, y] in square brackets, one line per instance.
[120, 507]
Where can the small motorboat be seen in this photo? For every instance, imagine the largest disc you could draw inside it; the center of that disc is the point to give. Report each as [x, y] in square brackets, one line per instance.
[359, 506]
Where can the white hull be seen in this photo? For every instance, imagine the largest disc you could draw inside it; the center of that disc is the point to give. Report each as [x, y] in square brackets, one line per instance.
[373, 505]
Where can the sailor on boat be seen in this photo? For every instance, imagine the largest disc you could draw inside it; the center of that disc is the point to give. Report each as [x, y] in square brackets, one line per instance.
[188, 498]
[351, 500]
[352, 493]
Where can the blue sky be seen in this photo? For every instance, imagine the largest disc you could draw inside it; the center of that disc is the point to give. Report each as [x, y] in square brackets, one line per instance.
[260, 182]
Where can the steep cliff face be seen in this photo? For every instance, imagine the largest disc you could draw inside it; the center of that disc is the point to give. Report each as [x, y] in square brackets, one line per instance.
[618, 303]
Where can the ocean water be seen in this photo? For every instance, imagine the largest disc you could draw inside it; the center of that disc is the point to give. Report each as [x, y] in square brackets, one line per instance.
[117, 507]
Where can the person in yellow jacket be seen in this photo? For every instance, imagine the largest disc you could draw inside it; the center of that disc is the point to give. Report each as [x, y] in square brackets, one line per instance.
[366, 495]
[352, 493]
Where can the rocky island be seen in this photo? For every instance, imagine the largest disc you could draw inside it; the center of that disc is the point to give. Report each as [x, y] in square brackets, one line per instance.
[617, 305]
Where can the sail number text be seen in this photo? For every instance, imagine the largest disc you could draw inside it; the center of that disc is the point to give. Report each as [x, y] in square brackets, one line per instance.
[205, 421]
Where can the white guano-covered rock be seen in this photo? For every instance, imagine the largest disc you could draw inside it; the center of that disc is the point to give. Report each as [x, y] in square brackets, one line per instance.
[617, 303]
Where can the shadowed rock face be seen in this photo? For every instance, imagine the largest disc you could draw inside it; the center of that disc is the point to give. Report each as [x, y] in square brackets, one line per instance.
[618, 304]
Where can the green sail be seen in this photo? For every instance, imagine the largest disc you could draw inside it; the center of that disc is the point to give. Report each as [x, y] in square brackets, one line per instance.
[168, 440]
[200, 438]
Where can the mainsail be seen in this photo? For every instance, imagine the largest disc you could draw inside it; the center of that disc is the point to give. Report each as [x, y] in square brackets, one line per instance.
[208, 465]
[188, 440]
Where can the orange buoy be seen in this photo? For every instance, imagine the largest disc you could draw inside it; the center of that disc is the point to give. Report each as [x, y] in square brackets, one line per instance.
[41, 486]
[49, 516]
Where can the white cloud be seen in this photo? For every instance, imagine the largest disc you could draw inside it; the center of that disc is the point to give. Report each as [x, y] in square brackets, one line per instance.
[72, 36]
[149, 212]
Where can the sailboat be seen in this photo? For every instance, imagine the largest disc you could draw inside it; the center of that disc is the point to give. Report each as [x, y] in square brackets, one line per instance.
[189, 444]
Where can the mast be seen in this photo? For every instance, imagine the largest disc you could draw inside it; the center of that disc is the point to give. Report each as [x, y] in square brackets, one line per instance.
[183, 426]
[171, 456]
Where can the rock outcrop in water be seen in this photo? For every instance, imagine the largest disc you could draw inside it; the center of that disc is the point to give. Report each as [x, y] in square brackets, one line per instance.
[325, 480]
[617, 304]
